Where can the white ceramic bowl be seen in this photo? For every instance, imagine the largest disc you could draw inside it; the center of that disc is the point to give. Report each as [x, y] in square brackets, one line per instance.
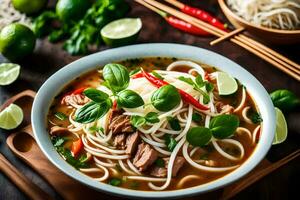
[61, 78]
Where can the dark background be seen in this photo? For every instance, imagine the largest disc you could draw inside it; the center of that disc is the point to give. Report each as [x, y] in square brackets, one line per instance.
[48, 58]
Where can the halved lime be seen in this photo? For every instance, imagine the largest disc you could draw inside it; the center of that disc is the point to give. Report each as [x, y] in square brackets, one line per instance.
[121, 32]
[226, 84]
[9, 72]
[11, 117]
[281, 128]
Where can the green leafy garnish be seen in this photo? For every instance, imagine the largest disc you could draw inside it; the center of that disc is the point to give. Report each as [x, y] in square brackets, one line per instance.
[129, 99]
[196, 117]
[96, 129]
[199, 136]
[152, 117]
[165, 98]
[133, 72]
[116, 76]
[58, 141]
[157, 75]
[170, 142]
[115, 181]
[159, 162]
[223, 126]
[174, 123]
[285, 100]
[95, 95]
[137, 121]
[60, 116]
[255, 117]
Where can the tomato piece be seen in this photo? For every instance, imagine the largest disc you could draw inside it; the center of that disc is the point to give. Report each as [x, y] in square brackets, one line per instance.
[76, 147]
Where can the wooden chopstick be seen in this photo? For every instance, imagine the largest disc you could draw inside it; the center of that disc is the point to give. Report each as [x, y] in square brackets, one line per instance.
[259, 50]
[261, 173]
[263, 49]
[228, 35]
[28, 187]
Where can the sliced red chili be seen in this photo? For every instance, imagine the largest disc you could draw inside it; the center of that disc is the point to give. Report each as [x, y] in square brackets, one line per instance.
[76, 147]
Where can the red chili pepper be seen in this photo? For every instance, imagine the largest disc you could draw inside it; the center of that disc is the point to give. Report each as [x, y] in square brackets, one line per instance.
[114, 107]
[185, 96]
[76, 147]
[207, 77]
[204, 16]
[79, 90]
[138, 75]
[185, 26]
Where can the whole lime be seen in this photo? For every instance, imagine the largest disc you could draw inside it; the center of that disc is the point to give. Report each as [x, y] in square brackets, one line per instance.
[29, 6]
[16, 41]
[68, 10]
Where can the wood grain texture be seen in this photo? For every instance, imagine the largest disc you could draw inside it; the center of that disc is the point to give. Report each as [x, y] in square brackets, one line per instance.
[48, 58]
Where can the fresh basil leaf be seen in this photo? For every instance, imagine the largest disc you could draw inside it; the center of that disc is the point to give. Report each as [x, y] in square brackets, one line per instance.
[77, 163]
[187, 80]
[196, 117]
[95, 95]
[61, 116]
[165, 98]
[159, 162]
[223, 126]
[92, 111]
[133, 72]
[152, 117]
[199, 81]
[199, 136]
[285, 100]
[170, 142]
[174, 123]
[209, 86]
[116, 76]
[115, 181]
[137, 121]
[129, 99]
[157, 75]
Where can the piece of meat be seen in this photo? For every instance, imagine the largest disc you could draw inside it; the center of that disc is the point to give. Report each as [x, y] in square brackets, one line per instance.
[132, 142]
[74, 99]
[224, 108]
[57, 130]
[162, 171]
[120, 123]
[119, 141]
[144, 157]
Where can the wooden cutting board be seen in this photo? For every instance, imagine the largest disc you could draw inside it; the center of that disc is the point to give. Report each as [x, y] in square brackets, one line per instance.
[23, 145]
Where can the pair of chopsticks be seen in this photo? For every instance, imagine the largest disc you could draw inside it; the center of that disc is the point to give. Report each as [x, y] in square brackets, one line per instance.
[281, 62]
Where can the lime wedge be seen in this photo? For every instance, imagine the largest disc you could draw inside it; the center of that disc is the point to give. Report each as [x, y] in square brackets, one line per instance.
[9, 72]
[121, 32]
[281, 128]
[226, 84]
[11, 117]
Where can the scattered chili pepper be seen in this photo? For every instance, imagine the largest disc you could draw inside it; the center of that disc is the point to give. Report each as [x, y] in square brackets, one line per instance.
[180, 24]
[76, 147]
[185, 96]
[204, 16]
[138, 75]
[79, 90]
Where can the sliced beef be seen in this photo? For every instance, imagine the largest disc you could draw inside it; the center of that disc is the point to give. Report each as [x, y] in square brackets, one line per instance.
[119, 141]
[132, 142]
[74, 99]
[162, 171]
[224, 108]
[144, 157]
[120, 123]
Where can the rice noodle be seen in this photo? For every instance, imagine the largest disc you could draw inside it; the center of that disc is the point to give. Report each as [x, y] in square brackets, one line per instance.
[225, 154]
[242, 103]
[254, 135]
[186, 179]
[245, 117]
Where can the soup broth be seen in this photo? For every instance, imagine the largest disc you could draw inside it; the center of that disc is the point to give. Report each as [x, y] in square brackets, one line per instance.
[102, 151]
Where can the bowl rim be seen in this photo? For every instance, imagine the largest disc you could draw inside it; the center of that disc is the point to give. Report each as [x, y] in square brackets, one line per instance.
[58, 80]
[227, 10]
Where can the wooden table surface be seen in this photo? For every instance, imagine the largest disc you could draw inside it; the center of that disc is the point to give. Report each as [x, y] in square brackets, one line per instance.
[48, 58]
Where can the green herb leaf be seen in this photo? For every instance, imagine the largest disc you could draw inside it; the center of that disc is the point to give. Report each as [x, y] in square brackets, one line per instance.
[96, 129]
[174, 123]
[116, 76]
[115, 181]
[152, 117]
[199, 136]
[285, 100]
[159, 162]
[199, 81]
[92, 111]
[95, 95]
[133, 72]
[165, 98]
[137, 121]
[223, 126]
[129, 99]
[60, 116]
[196, 117]
[58, 141]
[255, 117]
[40, 25]
[170, 142]
[209, 86]
[157, 75]
[187, 80]
[77, 163]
